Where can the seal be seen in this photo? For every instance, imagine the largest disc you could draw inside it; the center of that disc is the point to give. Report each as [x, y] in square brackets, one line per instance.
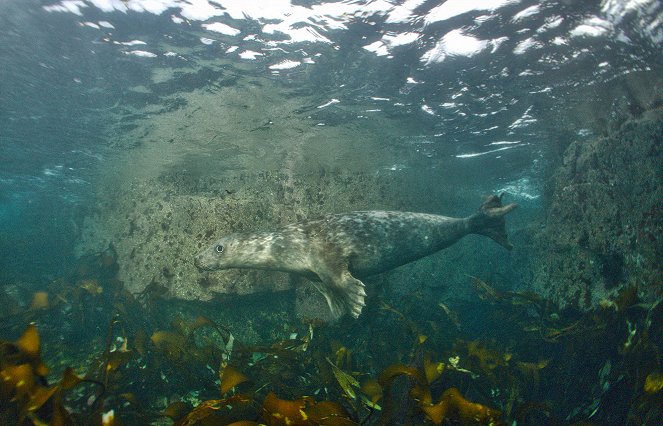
[338, 250]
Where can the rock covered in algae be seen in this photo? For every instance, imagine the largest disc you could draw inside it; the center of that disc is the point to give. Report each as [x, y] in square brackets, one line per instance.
[605, 218]
[158, 227]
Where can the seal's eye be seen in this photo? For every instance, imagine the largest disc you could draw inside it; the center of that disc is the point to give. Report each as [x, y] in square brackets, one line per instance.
[219, 248]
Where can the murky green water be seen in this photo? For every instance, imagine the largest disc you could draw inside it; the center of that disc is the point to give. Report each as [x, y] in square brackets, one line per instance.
[135, 133]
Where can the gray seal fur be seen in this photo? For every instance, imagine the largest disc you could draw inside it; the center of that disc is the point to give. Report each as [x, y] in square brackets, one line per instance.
[338, 250]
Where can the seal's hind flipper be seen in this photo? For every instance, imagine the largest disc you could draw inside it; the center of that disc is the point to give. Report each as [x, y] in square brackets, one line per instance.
[489, 221]
[344, 294]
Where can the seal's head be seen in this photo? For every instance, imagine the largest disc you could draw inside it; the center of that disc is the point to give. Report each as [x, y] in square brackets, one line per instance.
[209, 260]
[235, 251]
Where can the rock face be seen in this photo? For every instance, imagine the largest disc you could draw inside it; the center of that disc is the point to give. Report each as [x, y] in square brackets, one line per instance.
[604, 222]
[157, 227]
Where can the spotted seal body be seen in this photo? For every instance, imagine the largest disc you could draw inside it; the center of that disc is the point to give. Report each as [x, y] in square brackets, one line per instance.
[338, 250]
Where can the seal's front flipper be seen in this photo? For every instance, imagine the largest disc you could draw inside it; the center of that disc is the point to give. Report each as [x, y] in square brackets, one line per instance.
[489, 221]
[354, 293]
[344, 293]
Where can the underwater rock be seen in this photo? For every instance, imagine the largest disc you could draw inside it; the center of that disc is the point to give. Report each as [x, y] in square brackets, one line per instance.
[604, 222]
[157, 227]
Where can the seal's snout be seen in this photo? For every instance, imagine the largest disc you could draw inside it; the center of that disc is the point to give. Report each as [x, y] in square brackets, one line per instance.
[205, 262]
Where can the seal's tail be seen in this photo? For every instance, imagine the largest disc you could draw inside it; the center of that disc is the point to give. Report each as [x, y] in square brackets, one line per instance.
[489, 220]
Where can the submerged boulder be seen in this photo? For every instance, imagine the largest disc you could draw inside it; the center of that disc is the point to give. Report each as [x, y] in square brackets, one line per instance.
[604, 219]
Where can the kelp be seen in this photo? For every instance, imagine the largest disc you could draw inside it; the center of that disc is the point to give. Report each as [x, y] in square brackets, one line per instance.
[273, 411]
[402, 363]
[25, 394]
[452, 406]
[306, 410]
[212, 411]
[303, 412]
[180, 346]
[230, 377]
[346, 381]
[653, 382]
[455, 408]
[39, 300]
